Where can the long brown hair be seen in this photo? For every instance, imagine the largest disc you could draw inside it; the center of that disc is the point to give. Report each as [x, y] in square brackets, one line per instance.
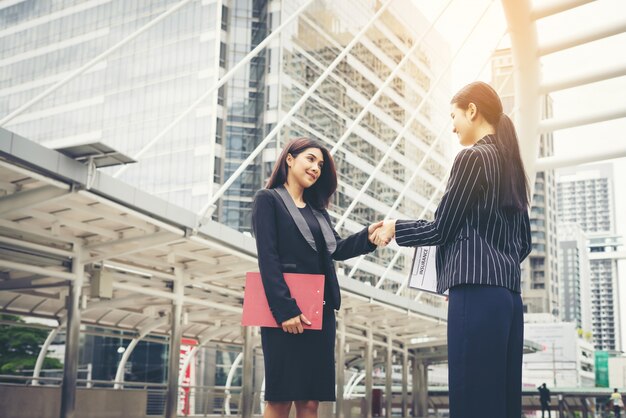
[321, 191]
[514, 190]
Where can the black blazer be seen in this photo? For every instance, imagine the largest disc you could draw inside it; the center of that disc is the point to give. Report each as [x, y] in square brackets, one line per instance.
[285, 244]
[478, 242]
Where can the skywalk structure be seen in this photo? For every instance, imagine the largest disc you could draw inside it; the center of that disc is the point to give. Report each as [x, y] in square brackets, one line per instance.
[203, 94]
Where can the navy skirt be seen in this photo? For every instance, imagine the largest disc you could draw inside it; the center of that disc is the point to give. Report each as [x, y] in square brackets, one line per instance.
[300, 367]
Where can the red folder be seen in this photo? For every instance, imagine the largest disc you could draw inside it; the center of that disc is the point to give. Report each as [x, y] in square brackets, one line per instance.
[306, 289]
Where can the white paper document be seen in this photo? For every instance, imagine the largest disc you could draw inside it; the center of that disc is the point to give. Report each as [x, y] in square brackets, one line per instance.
[423, 270]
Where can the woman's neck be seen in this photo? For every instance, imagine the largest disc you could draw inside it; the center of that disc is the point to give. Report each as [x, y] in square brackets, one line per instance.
[483, 130]
[295, 191]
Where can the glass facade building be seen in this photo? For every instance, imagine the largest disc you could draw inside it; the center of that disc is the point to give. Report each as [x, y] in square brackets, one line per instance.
[124, 100]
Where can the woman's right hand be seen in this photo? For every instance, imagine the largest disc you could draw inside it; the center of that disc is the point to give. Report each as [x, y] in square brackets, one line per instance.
[294, 325]
[383, 235]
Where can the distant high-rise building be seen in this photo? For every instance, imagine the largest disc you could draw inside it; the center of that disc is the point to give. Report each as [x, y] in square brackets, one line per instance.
[575, 276]
[540, 278]
[586, 197]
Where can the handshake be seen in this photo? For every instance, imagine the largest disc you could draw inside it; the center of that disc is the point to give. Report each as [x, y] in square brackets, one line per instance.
[382, 232]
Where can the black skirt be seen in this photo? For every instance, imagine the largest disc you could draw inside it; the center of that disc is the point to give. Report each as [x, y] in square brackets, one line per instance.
[300, 367]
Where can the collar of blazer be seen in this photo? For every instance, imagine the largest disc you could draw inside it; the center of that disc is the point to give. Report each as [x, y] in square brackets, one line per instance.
[487, 139]
[329, 237]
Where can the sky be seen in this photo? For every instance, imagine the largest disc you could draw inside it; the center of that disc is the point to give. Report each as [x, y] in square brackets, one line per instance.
[457, 22]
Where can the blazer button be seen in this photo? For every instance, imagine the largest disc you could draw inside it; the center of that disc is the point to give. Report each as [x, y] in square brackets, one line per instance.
[324, 302]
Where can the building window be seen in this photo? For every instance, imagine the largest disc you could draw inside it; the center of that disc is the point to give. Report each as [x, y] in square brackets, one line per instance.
[222, 55]
[224, 17]
[220, 95]
[219, 129]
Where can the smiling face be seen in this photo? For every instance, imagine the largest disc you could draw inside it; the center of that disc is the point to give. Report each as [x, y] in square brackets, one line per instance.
[305, 168]
[463, 123]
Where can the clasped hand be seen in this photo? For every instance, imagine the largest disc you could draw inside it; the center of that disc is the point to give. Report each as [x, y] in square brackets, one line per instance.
[381, 233]
[294, 325]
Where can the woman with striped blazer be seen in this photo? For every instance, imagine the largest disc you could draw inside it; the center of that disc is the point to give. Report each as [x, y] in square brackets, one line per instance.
[482, 233]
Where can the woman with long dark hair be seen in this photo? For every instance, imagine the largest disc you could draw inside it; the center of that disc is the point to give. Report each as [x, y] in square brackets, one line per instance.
[482, 233]
[294, 234]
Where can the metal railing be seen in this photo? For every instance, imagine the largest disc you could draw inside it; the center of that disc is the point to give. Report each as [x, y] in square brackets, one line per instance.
[193, 400]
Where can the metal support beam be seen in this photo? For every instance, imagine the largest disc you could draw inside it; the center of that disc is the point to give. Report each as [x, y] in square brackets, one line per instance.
[561, 406]
[546, 9]
[203, 339]
[405, 381]
[524, 45]
[601, 74]
[609, 255]
[551, 163]
[579, 38]
[140, 243]
[341, 363]
[72, 339]
[354, 380]
[144, 241]
[229, 379]
[551, 125]
[415, 388]
[28, 283]
[119, 375]
[584, 407]
[166, 295]
[388, 378]
[42, 354]
[63, 241]
[30, 198]
[44, 249]
[422, 389]
[369, 369]
[171, 402]
[44, 272]
[214, 99]
[247, 378]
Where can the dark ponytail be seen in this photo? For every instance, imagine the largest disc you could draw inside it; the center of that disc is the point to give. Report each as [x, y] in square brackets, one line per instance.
[514, 190]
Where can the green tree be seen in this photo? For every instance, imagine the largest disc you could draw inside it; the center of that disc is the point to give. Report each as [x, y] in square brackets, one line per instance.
[19, 347]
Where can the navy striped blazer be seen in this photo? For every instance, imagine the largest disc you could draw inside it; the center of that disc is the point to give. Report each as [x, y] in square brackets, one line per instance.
[477, 241]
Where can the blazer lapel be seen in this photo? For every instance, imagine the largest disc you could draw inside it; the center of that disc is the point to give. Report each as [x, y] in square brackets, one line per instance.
[329, 237]
[296, 215]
